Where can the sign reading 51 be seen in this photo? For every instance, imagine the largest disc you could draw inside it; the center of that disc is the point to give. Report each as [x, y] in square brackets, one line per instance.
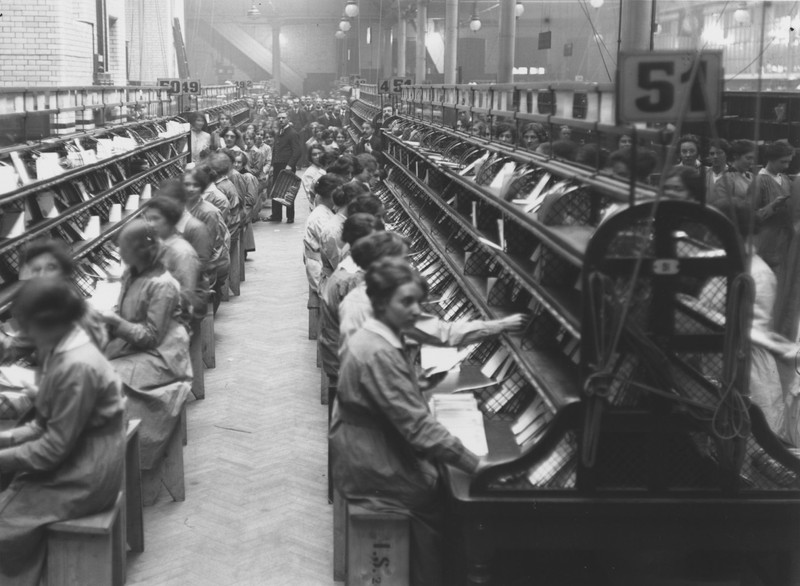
[652, 86]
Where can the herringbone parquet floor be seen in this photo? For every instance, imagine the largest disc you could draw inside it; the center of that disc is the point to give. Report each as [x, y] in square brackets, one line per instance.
[256, 510]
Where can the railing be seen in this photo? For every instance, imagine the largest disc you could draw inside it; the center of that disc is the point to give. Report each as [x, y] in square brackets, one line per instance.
[28, 114]
[584, 102]
[587, 109]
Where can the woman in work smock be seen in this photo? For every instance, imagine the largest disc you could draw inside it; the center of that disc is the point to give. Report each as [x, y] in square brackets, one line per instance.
[67, 462]
[384, 441]
[149, 347]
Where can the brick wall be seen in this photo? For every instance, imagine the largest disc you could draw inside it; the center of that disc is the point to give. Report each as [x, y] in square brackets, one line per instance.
[30, 35]
[53, 42]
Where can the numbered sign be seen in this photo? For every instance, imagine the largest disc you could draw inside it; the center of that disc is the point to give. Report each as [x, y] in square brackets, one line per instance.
[385, 86]
[178, 87]
[398, 83]
[652, 86]
[666, 266]
[245, 84]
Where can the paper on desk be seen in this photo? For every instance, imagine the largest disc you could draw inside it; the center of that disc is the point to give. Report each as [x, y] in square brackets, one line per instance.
[436, 359]
[105, 296]
[17, 377]
[460, 415]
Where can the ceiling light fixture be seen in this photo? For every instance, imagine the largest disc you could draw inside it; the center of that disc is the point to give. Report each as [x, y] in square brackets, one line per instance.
[596, 3]
[254, 12]
[344, 25]
[339, 35]
[474, 23]
[741, 15]
[519, 9]
[351, 8]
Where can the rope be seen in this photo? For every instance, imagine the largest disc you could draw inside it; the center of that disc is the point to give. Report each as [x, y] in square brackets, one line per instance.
[732, 418]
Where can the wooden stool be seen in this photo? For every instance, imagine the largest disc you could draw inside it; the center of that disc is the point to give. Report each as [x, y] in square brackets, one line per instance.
[196, 357]
[134, 518]
[87, 551]
[207, 335]
[378, 547]
[234, 277]
[169, 472]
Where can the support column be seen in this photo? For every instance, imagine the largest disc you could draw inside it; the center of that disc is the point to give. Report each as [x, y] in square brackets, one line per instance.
[386, 53]
[450, 41]
[276, 56]
[508, 34]
[422, 23]
[401, 41]
[635, 25]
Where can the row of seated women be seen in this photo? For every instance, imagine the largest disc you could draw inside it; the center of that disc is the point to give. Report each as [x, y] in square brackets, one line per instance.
[384, 442]
[96, 368]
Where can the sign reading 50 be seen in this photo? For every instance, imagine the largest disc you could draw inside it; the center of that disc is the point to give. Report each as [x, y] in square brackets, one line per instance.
[655, 86]
[180, 86]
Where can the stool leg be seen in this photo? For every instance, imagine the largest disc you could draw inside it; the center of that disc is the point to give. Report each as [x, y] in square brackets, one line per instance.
[198, 368]
[173, 463]
[207, 334]
[243, 249]
[119, 555]
[339, 537]
[236, 265]
[133, 497]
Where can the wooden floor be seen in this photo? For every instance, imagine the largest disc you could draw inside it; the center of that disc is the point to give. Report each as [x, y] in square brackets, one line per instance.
[256, 510]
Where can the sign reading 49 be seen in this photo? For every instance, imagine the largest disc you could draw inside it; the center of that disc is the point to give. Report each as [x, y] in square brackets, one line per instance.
[654, 86]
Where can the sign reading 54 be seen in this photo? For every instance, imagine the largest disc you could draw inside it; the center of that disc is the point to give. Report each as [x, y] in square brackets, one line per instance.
[653, 86]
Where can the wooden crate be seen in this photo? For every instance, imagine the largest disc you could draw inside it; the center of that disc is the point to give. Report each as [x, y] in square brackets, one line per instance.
[377, 548]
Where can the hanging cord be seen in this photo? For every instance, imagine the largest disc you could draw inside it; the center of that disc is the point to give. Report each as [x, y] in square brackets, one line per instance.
[597, 39]
[732, 417]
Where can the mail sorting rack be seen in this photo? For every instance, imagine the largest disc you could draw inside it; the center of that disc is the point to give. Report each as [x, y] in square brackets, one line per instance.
[449, 302]
[513, 229]
[360, 112]
[83, 189]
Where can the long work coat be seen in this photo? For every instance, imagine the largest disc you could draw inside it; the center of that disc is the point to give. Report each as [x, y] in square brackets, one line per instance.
[68, 462]
[150, 351]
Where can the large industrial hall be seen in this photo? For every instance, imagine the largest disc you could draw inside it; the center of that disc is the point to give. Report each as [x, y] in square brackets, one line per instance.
[399, 293]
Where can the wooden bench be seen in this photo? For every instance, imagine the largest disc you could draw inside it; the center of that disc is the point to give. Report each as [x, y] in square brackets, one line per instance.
[134, 517]
[378, 547]
[169, 472]
[89, 551]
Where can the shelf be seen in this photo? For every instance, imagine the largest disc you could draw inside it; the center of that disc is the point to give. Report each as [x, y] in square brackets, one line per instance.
[107, 230]
[564, 309]
[52, 223]
[77, 172]
[540, 369]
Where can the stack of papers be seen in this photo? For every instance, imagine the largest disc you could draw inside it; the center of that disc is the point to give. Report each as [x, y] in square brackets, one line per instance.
[105, 296]
[17, 377]
[461, 416]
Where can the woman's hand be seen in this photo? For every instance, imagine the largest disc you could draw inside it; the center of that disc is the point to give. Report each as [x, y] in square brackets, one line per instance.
[110, 317]
[514, 323]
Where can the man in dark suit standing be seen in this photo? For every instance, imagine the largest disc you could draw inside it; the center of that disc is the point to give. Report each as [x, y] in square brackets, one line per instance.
[330, 118]
[286, 151]
[298, 116]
